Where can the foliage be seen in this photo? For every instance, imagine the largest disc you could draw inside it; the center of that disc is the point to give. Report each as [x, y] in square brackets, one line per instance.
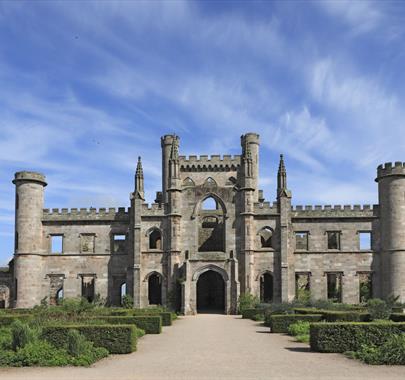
[379, 309]
[304, 295]
[127, 301]
[21, 335]
[348, 316]
[299, 328]
[391, 352]
[6, 320]
[350, 336]
[77, 343]
[247, 301]
[397, 317]
[280, 323]
[116, 339]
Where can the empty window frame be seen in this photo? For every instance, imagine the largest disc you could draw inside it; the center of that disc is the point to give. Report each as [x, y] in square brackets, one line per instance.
[334, 286]
[302, 286]
[56, 243]
[266, 237]
[333, 239]
[365, 286]
[119, 243]
[87, 243]
[365, 240]
[88, 287]
[301, 241]
[155, 239]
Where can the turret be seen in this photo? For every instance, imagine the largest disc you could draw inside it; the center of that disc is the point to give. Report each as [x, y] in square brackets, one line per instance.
[250, 160]
[391, 194]
[29, 203]
[166, 143]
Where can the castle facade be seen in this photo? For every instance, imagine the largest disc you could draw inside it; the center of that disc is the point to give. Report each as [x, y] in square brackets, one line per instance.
[209, 237]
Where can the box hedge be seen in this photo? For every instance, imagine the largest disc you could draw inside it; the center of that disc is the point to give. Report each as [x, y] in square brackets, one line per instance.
[8, 319]
[251, 313]
[350, 336]
[280, 323]
[120, 339]
[397, 317]
[151, 324]
[345, 316]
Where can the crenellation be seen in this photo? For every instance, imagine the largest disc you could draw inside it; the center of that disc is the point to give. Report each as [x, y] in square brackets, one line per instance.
[77, 214]
[391, 169]
[334, 211]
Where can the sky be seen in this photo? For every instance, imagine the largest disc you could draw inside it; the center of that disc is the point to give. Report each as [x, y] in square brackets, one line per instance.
[87, 87]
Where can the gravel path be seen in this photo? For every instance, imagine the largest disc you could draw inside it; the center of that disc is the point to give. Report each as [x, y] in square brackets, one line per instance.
[215, 347]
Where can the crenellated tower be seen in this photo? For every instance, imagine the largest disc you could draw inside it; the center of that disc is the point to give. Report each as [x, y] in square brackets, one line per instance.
[29, 239]
[391, 194]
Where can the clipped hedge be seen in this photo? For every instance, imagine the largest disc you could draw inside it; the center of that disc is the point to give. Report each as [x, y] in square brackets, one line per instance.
[350, 336]
[151, 324]
[280, 323]
[251, 313]
[397, 317]
[307, 310]
[116, 339]
[345, 316]
[7, 319]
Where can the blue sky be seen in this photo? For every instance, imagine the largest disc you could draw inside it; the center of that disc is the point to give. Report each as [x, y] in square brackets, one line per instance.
[86, 87]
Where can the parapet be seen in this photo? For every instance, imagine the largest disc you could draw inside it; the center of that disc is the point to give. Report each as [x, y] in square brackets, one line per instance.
[86, 214]
[154, 209]
[265, 208]
[29, 177]
[390, 169]
[214, 162]
[337, 211]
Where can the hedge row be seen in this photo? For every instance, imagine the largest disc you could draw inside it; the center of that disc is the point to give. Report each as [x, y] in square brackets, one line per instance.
[167, 317]
[151, 324]
[6, 320]
[397, 317]
[116, 339]
[251, 313]
[280, 323]
[344, 336]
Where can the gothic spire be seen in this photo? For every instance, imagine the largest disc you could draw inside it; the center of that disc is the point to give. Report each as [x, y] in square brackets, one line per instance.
[139, 183]
[174, 153]
[281, 176]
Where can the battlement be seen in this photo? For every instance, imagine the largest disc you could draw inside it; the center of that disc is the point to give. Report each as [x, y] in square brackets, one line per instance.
[214, 162]
[154, 209]
[338, 211]
[265, 208]
[390, 169]
[85, 214]
[29, 176]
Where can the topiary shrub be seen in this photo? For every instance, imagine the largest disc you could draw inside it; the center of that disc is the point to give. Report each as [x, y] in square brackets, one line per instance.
[379, 309]
[247, 301]
[281, 323]
[350, 336]
[349, 316]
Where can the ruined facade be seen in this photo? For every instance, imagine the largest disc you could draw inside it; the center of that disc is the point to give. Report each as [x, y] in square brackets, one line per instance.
[209, 237]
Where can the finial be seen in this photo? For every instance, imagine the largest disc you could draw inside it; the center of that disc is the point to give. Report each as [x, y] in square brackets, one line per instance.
[281, 176]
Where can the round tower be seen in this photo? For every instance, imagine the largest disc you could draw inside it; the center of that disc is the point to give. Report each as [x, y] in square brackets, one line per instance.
[29, 202]
[391, 194]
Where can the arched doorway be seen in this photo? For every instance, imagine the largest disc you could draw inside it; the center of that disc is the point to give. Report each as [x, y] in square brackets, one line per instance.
[155, 289]
[210, 293]
[266, 287]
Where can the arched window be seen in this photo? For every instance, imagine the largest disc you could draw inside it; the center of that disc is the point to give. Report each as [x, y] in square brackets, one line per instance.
[188, 182]
[59, 296]
[266, 236]
[123, 291]
[155, 239]
[209, 204]
[210, 182]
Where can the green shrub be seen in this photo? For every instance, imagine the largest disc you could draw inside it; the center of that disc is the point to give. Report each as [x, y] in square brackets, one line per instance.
[280, 323]
[250, 313]
[379, 309]
[76, 343]
[247, 301]
[127, 301]
[116, 339]
[306, 310]
[21, 334]
[6, 320]
[350, 336]
[299, 328]
[392, 352]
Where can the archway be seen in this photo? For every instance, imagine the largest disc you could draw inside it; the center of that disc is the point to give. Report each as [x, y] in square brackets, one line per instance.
[155, 289]
[210, 293]
[266, 287]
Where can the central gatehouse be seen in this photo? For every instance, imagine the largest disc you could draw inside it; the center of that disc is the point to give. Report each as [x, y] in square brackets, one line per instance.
[209, 236]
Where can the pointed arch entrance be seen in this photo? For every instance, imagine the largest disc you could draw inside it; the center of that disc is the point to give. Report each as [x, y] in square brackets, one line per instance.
[210, 293]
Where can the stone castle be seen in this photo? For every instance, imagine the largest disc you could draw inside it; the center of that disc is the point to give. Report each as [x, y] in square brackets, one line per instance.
[209, 237]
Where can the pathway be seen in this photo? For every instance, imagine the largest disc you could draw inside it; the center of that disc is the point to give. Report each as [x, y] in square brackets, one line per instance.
[208, 347]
